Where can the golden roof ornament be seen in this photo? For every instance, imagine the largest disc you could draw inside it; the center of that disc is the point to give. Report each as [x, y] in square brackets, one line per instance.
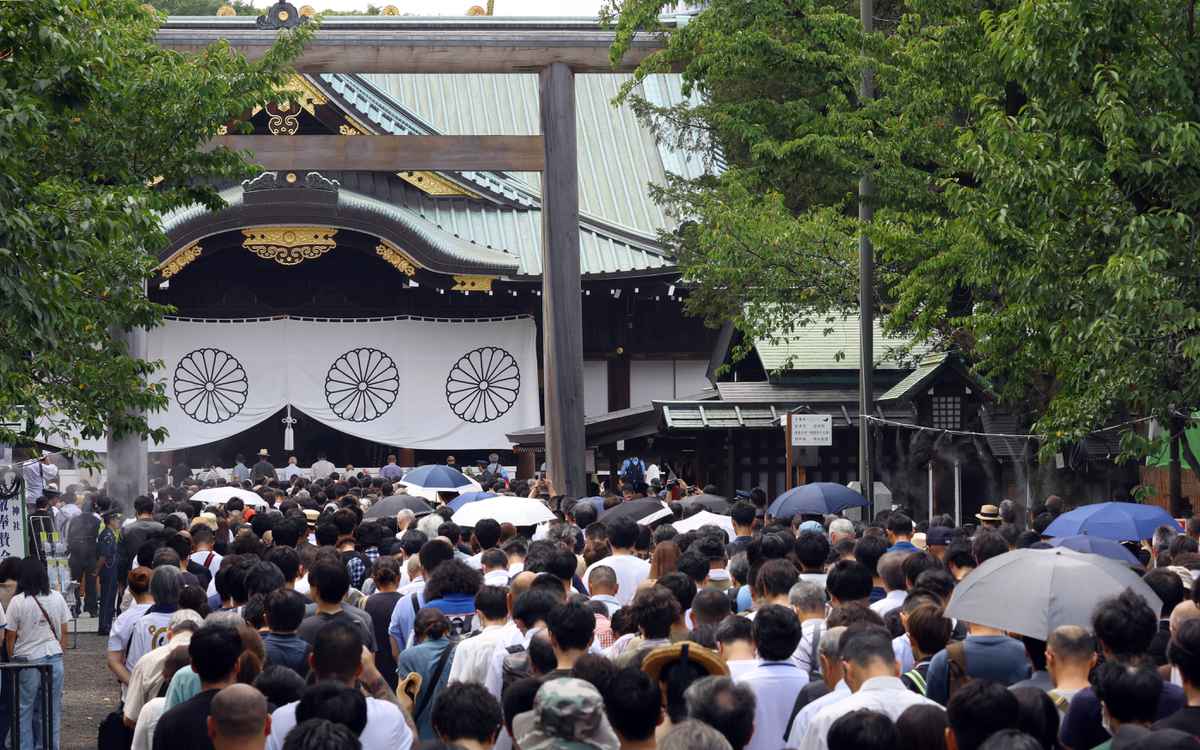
[226, 10]
[390, 10]
[476, 10]
[307, 11]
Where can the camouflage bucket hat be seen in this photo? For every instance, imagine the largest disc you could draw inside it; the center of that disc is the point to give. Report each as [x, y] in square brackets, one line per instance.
[568, 714]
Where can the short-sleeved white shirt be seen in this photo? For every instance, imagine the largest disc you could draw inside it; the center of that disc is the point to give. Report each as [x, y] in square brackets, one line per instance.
[37, 638]
[630, 570]
[149, 632]
[121, 632]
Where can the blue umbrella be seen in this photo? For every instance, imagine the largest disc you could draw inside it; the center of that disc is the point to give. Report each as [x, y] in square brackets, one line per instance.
[436, 477]
[818, 498]
[1097, 545]
[469, 497]
[1120, 521]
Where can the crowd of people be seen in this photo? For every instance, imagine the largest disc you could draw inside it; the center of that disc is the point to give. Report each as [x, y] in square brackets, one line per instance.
[308, 624]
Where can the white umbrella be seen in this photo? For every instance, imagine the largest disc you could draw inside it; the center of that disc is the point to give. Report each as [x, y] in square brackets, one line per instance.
[705, 518]
[654, 517]
[431, 495]
[519, 511]
[222, 495]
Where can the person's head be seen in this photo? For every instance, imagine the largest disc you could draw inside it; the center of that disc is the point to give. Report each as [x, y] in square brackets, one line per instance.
[776, 632]
[812, 550]
[518, 698]
[285, 610]
[693, 735]
[487, 533]
[1070, 649]
[533, 606]
[452, 577]
[1037, 716]
[1124, 625]
[735, 638]
[979, 709]
[321, 734]
[1128, 694]
[682, 587]
[654, 609]
[710, 607]
[848, 581]
[665, 559]
[868, 550]
[775, 579]
[215, 650]
[433, 553]
[899, 527]
[921, 727]
[862, 730]
[466, 712]
[634, 705]
[866, 652]
[725, 706]
[264, 578]
[333, 702]
[33, 580]
[622, 533]
[891, 571]
[491, 602]
[337, 653]
[571, 626]
[281, 685]
[238, 718]
[165, 586]
[1169, 588]
[602, 580]
[742, 515]
[988, 544]
[1183, 651]
[928, 629]
[329, 581]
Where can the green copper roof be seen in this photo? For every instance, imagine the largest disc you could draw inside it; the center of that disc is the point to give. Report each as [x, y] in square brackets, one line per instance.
[822, 345]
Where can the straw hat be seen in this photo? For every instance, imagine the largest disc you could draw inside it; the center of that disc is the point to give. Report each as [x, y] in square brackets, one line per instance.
[989, 513]
[661, 657]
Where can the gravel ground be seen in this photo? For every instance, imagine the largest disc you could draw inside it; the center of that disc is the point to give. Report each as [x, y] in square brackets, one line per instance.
[89, 691]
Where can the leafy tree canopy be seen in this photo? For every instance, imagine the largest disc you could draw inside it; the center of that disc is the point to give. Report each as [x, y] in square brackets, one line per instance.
[1036, 172]
[100, 130]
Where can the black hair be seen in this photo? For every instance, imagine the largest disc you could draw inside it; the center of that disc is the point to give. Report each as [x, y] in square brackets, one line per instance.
[1129, 693]
[899, 524]
[288, 531]
[541, 654]
[330, 579]
[622, 532]
[986, 545]
[775, 578]
[285, 610]
[412, 541]
[433, 553]
[1184, 650]
[863, 729]
[518, 698]
[776, 632]
[929, 630]
[959, 554]
[916, 564]
[1169, 588]
[487, 533]
[735, 628]
[725, 706]
[921, 727]
[848, 581]
[494, 558]
[584, 514]
[633, 704]
[1037, 716]
[263, 578]
[596, 669]
[336, 703]
[979, 709]
[655, 610]
[534, 606]
[812, 549]
[468, 711]
[677, 677]
[866, 644]
[938, 581]
[326, 535]
[281, 685]
[743, 513]
[337, 650]
[561, 563]
[1012, 739]
[33, 580]
[321, 734]
[142, 505]
[255, 611]
[214, 651]
[681, 587]
[868, 550]
[453, 577]
[710, 607]
[693, 565]
[195, 599]
[1125, 624]
[572, 624]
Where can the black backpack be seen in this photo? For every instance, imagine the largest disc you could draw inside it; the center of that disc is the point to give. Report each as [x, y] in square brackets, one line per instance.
[113, 734]
[82, 534]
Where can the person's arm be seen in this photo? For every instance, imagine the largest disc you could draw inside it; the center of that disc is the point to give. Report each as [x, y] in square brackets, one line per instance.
[937, 678]
[10, 640]
[116, 662]
[373, 681]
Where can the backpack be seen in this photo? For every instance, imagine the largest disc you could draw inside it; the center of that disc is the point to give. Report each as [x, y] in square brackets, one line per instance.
[113, 734]
[634, 471]
[82, 533]
[515, 667]
[956, 668]
[461, 625]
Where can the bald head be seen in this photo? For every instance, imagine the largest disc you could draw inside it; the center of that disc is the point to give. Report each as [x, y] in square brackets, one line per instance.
[1184, 611]
[1072, 644]
[238, 718]
[521, 583]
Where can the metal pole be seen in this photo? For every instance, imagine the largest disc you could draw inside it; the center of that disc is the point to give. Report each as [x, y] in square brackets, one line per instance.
[930, 467]
[866, 294]
[957, 493]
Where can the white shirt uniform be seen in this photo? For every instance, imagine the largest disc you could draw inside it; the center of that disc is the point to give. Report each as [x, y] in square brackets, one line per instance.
[776, 685]
[802, 720]
[510, 635]
[809, 631]
[893, 600]
[887, 695]
[386, 728]
[630, 570]
[121, 632]
[473, 655]
[149, 632]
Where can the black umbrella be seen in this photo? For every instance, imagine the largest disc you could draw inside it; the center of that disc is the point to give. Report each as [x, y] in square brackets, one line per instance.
[390, 506]
[636, 510]
[711, 503]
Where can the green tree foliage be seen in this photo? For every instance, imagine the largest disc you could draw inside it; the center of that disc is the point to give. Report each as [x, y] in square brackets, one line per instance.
[1036, 172]
[99, 136]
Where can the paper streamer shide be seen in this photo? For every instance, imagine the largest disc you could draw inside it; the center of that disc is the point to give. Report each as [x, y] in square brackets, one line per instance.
[432, 384]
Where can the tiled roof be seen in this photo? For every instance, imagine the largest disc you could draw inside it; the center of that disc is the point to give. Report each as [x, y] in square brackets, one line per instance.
[817, 346]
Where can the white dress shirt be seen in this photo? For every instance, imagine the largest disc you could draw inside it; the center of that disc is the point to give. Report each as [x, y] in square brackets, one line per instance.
[386, 728]
[473, 655]
[511, 635]
[630, 570]
[776, 685]
[893, 600]
[801, 722]
[886, 695]
[902, 648]
[610, 602]
[804, 652]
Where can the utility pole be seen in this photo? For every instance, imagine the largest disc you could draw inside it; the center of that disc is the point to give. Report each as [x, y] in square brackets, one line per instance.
[866, 293]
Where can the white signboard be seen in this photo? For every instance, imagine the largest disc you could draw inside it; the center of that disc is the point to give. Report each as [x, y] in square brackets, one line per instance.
[812, 429]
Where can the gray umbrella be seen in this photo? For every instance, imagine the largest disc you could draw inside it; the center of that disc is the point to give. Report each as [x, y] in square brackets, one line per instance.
[1034, 591]
[390, 506]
